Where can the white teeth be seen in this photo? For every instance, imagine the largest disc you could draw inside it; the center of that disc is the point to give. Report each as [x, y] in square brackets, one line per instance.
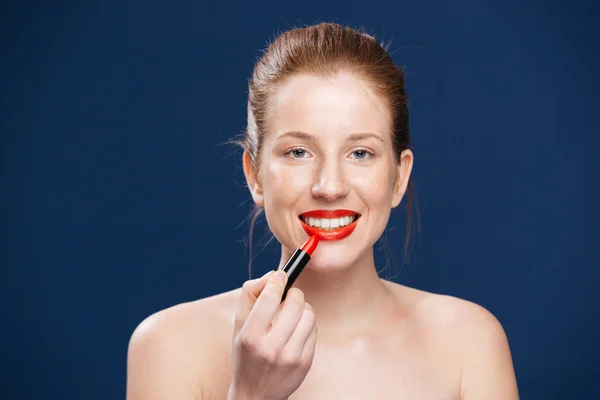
[329, 223]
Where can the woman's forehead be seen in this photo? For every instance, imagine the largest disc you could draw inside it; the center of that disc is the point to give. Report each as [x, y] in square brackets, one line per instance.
[327, 105]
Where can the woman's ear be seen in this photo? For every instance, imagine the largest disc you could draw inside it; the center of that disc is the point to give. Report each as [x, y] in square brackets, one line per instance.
[403, 171]
[252, 180]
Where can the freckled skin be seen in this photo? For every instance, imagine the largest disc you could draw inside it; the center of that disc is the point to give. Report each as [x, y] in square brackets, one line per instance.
[328, 176]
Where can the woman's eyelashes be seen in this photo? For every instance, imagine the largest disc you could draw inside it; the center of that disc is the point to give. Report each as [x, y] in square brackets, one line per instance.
[362, 154]
[299, 153]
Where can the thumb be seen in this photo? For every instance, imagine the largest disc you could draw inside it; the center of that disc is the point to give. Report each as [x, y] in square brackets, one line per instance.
[250, 292]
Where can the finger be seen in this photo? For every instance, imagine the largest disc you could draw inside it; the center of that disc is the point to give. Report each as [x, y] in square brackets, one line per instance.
[288, 318]
[302, 331]
[265, 307]
[250, 292]
[274, 321]
[308, 351]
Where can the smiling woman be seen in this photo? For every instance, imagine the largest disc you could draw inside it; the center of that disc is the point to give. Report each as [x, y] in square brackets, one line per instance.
[326, 154]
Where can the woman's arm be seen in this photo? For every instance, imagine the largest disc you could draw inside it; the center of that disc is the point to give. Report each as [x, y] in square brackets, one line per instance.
[488, 372]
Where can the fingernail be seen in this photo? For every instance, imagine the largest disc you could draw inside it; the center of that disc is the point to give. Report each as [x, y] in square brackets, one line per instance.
[280, 275]
[267, 274]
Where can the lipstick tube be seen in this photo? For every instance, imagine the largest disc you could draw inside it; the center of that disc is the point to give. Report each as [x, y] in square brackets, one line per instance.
[296, 263]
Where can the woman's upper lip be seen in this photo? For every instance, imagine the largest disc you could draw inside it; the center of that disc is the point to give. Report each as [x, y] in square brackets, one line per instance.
[329, 213]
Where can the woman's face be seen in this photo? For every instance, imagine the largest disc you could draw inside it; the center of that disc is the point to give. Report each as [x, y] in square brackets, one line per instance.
[327, 168]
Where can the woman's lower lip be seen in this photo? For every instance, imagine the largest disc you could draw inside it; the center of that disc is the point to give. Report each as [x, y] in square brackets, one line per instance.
[330, 234]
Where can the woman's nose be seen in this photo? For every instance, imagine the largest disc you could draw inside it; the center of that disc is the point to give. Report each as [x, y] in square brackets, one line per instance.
[330, 182]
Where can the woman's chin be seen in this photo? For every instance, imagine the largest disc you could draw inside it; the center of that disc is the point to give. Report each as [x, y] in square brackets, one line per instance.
[330, 262]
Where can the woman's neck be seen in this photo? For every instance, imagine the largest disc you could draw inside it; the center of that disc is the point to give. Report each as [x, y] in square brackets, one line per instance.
[346, 301]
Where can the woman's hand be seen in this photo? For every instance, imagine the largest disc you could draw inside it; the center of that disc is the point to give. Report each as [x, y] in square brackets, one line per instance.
[272, 352]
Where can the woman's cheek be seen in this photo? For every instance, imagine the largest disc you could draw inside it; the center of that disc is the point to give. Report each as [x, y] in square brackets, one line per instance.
[285, 182]
[372, 183]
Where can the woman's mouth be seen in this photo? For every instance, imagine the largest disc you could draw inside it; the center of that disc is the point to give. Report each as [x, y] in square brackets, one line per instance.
[329, 224]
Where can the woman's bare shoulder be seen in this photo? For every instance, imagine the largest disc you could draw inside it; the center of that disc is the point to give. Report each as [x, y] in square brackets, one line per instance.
[185, 318]
[487, 369]
[448, 312]
[175, 349]
[473, 335]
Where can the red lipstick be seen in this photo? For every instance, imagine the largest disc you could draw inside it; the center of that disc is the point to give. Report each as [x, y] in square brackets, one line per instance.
[329, 234]
[298, 261]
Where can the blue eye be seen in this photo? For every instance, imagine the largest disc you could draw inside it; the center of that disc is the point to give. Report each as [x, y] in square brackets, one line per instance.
[361, 154]
[297, 153]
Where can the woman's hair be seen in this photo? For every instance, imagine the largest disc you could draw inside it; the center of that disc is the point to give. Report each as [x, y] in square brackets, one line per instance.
[326, 49]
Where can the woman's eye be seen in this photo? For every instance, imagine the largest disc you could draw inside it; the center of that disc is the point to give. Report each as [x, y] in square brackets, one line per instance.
[297, 153]
[361, 154]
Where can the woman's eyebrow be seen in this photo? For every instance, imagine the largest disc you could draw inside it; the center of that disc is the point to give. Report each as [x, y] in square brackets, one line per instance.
[297, 135]
[362, 136]
[354, 137]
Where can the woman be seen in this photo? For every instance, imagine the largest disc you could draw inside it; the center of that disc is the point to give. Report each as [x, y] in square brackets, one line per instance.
[327, 130]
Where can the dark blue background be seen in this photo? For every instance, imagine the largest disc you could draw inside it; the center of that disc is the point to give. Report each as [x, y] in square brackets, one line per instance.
[115, 178]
